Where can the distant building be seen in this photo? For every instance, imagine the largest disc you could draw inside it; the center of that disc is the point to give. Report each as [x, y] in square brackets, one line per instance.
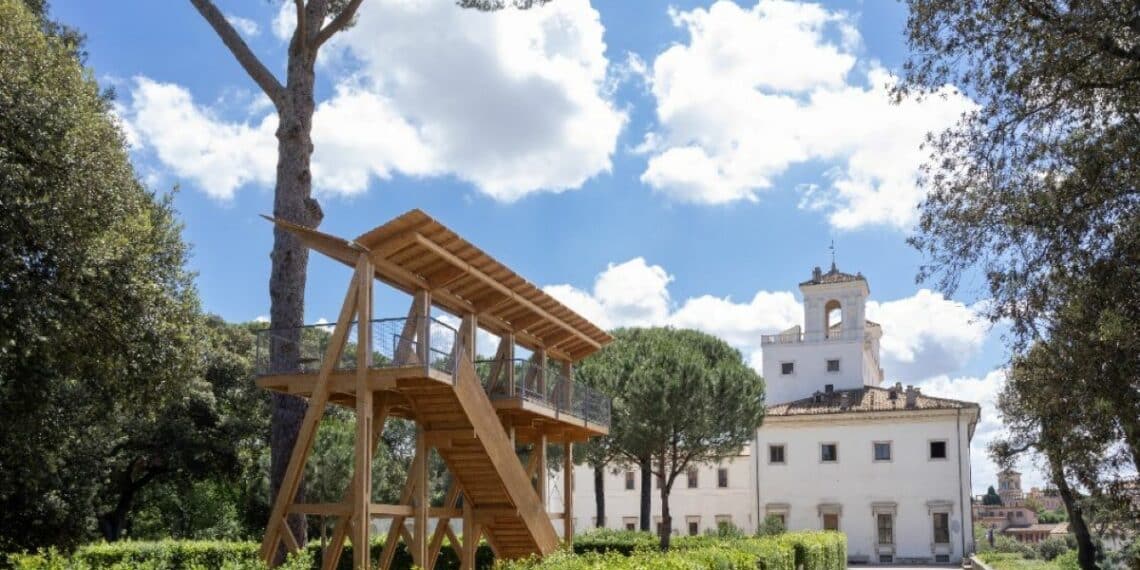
[1014, 517]
[1049, 499]
[838, 450]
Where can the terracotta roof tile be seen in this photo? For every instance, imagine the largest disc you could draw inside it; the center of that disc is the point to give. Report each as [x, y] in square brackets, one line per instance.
[867, 399]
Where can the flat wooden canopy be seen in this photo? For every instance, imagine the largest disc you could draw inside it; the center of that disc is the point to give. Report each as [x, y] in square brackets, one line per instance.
[414, 252]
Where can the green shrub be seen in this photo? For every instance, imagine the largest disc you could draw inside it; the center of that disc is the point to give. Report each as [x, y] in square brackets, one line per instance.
[1051, 548]
[771, 526]
[1067, 561]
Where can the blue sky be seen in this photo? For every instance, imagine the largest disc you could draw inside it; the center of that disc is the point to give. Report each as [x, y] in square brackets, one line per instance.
[649, 163]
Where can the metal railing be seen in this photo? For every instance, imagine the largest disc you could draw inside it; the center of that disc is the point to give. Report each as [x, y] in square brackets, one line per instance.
[433, 344]
[396, 342]
[549, 387]
[799, 337]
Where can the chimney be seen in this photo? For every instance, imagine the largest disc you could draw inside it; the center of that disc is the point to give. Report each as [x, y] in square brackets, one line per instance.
[816, 274]
[829, 388]
[911, 396]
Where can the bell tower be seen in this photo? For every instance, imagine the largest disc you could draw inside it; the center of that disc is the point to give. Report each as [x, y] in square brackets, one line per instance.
[837, 348]
[834, 305]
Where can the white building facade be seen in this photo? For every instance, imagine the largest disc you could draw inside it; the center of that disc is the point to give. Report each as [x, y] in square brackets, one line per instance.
[886, 465]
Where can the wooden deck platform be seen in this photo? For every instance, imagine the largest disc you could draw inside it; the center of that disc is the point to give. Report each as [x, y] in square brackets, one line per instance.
[530, 420]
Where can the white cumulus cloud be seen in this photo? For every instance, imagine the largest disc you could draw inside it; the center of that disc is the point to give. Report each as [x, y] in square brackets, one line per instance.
[244, 25]
[514, 102]
[925, 335]
[755, 91]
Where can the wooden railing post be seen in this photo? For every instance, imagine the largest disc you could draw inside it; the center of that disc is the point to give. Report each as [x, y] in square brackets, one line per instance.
[423, 328]
[568, 492]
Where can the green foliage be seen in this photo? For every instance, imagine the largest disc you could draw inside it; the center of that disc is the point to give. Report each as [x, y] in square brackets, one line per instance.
[1051, 548]
[683, 398]
[163, 555]
[991, 497]
[100, 345]
[809, 551]
[1057, 516]
[1018, 561]
[771, 526]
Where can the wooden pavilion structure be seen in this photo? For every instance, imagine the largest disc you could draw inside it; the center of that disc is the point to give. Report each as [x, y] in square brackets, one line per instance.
[473, 413]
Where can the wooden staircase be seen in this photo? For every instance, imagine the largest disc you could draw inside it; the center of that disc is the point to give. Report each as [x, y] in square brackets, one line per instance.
[463, 426]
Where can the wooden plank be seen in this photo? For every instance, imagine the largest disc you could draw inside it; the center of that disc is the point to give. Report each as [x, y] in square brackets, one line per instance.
[307, 433]
[540, 469]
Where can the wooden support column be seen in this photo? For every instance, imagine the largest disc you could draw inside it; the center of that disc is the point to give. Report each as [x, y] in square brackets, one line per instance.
[332, 553]
[362, 477]
[568, 492]
[404, 352]
[540, 356]
[509, 338]
[540, 468]
[469, 330]
[423, 327]
[420, 501]
[396, 530]
[470, 537]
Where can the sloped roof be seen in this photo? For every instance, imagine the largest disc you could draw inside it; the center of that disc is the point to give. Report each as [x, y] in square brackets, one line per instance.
[833, 276]
[413, 251]
[867, 399]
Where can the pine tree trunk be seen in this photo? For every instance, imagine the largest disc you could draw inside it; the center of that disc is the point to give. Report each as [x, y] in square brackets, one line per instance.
[646, 490]
[600, 496]
[666, 530]
[292, 202]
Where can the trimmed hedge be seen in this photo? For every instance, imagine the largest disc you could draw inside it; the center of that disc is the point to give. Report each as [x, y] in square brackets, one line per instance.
[605, 549]
[625, 550]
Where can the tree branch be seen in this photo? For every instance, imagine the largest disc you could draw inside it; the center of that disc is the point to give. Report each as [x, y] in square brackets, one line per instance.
[299, 33]
[253, 66]
[339, 23]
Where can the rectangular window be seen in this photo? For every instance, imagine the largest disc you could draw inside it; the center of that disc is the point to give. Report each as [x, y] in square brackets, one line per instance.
[694, 528]
[787, 368]
[629, 481]
[723, 520]
[775, 454]
[941, 528]
[630, 526]
[831, 521]
[938, 450]
[833, 365]
[886, 528]
[828, 452]
[692, 476]
[882, 451]
[722, 478]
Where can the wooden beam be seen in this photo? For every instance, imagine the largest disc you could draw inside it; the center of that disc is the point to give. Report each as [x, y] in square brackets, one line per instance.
[420, 502]
[404, 352]
[494, 283]
[568, 492]
[468, 333]
[470, 537]
[362, 472]
[541, 468]
[305, 436]
[423, 327]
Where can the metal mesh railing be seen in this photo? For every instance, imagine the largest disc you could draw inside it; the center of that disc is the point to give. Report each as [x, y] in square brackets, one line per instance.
[433, 344]
[396, 342]
[547, 387]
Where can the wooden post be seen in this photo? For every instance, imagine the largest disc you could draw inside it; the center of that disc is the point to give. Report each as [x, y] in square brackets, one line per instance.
[568, 388]
[420, 501]
[469, 329]
[509, 338]
[423, 327]
[362, 478]
[470, 537]
[541, 357]
[540, 468]
[331, 556]
[568, 492]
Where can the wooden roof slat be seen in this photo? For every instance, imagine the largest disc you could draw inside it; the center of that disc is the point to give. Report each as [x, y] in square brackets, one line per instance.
[413, 252]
